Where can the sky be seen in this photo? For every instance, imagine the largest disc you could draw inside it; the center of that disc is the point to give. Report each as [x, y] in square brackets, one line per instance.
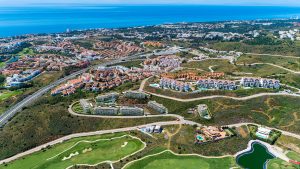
[203, 2]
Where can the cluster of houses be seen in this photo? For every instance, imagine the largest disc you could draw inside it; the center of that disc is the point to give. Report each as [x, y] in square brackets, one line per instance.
[100, 79]
[136, 95]
[192, 76]
[216, 84]
[157, 107]
[189, 81]
[11, 46]
[174, 85]
[290, 34]
[163, 63]
[110, 77]
[116, 49]
[71, 86]
[260, 83]
[153, 44]
[20, 71]
[19, 80]
[106, 104]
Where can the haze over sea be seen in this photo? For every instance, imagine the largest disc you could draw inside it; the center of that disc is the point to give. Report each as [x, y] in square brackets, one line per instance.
[50, 19]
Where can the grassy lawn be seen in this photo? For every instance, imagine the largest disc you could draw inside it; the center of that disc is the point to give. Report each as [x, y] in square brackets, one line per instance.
[7, 98]
[2, 64]
[280, 164]
[290, 63]
[91, 150]
[7, 94]
[167, 160]
[77, 108]
[26, 51]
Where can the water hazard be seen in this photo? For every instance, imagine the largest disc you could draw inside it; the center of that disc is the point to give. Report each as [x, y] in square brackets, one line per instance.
[256, 158]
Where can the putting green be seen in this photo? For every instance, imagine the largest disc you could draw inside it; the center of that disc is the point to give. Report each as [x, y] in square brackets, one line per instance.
[85, 150]
[168, 160]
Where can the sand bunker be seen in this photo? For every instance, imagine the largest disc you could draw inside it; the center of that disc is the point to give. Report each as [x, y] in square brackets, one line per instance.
[70, 156]
[125, 143]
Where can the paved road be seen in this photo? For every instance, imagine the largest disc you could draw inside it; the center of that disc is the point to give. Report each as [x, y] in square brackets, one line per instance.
[221, 96]
[181, 121]
[5, 117]
[60, 140]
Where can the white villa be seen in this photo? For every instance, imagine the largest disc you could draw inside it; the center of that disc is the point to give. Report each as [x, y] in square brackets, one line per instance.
[260, 82]
[263, 132]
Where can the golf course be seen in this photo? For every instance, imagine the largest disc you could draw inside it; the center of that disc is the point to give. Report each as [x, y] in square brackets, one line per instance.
[90, 150]
[169, 160]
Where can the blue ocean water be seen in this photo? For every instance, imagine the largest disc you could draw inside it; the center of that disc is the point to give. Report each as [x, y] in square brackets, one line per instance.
[49, 19]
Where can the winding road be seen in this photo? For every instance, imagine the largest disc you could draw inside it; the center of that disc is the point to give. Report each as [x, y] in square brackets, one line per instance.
[221, 96]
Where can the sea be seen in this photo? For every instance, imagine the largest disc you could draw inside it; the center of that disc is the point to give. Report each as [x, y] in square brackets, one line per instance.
[59, 18]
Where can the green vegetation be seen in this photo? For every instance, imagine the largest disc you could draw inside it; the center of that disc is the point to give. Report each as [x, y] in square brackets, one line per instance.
[274, 134]
[7, 98]
[284, 47]
[286, 62]
[168, 160]
[281, 112]
[256, 158]
[2, 79]
[48, 119]
[184, 143]
[84, 43]
[129, 64]
[77, 108]
[289, 143]
[2, 64]
[219, 65]
[280, 164]
[7, 94]
[86, 150]
[263, 70]
[26, 51]
[46, 78]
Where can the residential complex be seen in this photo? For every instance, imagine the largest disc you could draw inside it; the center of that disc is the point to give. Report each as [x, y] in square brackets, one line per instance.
[260, 82]
[158, 107]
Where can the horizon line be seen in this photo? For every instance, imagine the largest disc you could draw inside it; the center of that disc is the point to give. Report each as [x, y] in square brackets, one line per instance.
[150, 4]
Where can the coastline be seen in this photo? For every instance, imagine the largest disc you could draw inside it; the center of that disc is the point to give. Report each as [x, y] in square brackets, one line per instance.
[65, 17]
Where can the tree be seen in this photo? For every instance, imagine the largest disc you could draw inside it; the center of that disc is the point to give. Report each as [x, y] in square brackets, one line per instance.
[2, 79]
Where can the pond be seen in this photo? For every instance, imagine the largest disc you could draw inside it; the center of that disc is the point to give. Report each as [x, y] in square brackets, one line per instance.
[256, 158]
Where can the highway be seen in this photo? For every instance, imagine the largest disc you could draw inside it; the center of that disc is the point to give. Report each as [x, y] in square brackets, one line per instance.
[11, 112]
